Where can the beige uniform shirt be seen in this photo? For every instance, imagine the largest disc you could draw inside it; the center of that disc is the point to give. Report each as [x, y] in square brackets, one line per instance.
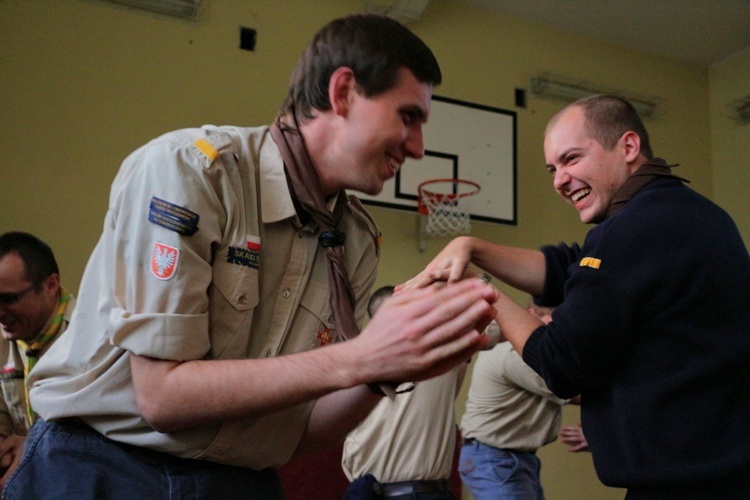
[509, 405]
[187, 268]
[411, 437]
[14, 414]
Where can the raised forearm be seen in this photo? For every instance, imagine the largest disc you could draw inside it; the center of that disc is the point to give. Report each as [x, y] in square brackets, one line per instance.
[516, 324]
[521, 268]
[167, 392]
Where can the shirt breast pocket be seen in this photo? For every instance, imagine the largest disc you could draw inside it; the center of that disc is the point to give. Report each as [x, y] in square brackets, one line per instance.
[233, 295]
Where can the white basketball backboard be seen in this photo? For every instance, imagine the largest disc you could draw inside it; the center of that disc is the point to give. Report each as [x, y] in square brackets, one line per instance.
[462, 141]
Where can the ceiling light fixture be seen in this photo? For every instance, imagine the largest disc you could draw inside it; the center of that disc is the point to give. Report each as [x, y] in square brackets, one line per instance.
[562, 89]
[182, 9]
[404, 11]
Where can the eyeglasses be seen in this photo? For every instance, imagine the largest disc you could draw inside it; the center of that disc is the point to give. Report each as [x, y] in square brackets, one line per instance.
[7, 299]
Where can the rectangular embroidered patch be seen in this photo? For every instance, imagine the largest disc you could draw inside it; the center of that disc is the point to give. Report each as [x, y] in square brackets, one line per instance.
[173, 217]
[243, 256]
[590, 262]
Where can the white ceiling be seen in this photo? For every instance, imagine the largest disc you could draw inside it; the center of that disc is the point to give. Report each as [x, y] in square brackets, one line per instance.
[696, 31]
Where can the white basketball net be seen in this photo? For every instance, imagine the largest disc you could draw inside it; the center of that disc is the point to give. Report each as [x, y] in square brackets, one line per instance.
[448, 212]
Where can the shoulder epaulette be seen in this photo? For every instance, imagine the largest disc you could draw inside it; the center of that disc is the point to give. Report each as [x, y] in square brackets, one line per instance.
[207, 149]
[210, 147]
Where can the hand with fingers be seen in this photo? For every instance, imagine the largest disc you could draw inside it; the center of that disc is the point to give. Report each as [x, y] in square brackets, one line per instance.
[423, 332]
[572, 435]
[11, 450]
[449, 265]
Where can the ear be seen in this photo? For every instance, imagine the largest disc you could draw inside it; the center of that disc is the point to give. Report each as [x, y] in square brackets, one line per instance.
[631, 144]
[51, 285]
[341, 88]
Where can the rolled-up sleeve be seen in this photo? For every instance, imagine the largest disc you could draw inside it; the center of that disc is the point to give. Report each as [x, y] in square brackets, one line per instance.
[163, 313]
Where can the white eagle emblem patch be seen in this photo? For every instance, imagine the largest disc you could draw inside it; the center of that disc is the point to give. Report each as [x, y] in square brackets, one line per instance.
[164, 261]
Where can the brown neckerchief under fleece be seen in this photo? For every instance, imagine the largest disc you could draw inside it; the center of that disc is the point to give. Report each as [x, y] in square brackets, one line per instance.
[307, 192]
[646, 174]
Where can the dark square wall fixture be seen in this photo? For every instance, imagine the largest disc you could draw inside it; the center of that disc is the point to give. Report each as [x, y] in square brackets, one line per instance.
[248, 37]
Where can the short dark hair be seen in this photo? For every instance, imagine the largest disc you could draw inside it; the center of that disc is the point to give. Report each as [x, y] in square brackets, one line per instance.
[36, 255]
[377, 298]
[608, 117]
[374, 47]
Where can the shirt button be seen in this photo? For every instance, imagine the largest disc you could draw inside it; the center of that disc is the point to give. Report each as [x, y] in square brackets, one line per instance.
[286, 294]
[268, 353]
[242, 299]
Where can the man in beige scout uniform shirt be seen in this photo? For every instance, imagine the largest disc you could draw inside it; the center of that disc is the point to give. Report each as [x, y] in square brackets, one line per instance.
[510, 413]
[202, 354]
[406, 445]
[34, 310]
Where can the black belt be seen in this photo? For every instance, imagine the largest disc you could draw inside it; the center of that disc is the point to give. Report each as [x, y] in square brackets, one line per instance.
[409, 487]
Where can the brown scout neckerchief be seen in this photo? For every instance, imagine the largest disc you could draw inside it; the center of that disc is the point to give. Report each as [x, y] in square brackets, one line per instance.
[307, 193]
[306, 190]
[646, 174]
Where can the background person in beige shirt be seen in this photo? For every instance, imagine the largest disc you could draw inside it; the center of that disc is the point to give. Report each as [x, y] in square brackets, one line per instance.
[406, 445]
[34, 311]
[510, 413]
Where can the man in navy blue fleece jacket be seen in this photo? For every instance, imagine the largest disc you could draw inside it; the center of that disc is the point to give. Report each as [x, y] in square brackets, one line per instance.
[651, 324]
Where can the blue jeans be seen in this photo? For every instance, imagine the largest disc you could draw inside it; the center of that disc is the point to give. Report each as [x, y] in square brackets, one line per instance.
[491, 473]
[71, 460]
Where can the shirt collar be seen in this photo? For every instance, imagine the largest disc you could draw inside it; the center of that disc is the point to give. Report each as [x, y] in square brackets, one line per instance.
[279, 205]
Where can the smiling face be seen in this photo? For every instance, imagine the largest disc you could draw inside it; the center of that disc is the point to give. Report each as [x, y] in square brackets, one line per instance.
[379, 134]
[586, 175]
[24, 310]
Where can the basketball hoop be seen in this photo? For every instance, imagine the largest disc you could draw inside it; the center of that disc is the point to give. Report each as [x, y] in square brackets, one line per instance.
[446, 204]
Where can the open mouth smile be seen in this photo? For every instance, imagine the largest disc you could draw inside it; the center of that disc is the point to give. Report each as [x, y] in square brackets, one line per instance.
[580, 195]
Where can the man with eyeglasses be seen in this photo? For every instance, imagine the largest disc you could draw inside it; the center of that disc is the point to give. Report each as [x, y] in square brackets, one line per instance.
[34, 310]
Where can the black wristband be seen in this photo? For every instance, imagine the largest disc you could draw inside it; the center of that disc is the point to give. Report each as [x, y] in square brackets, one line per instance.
[375, 387]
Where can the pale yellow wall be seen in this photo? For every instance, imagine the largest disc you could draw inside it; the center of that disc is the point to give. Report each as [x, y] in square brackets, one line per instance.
[82, 85]
[730, 138]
